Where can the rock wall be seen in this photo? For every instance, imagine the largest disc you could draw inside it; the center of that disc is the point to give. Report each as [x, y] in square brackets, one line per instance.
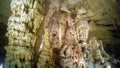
[4, 11]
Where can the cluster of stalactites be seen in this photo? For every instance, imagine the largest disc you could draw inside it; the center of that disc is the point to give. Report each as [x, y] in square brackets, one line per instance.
[66, 34]
[22, 26]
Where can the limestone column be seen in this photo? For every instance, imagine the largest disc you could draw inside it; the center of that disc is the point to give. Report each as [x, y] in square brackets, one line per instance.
[22, 30]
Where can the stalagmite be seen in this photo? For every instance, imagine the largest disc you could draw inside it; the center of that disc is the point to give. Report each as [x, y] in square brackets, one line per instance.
[100, 58]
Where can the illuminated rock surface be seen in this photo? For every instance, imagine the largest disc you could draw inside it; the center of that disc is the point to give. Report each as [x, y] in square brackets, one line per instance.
[61, 34]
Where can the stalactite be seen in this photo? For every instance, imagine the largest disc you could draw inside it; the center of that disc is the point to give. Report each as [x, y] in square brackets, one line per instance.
[64, 44]
[54, 6]
[72, 56]
[56, 27]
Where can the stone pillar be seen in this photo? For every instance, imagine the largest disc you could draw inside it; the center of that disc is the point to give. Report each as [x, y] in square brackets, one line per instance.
[22, 30]
[45, 59]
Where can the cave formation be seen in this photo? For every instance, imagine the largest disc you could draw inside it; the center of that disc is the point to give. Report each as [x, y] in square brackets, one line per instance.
[60, 34]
